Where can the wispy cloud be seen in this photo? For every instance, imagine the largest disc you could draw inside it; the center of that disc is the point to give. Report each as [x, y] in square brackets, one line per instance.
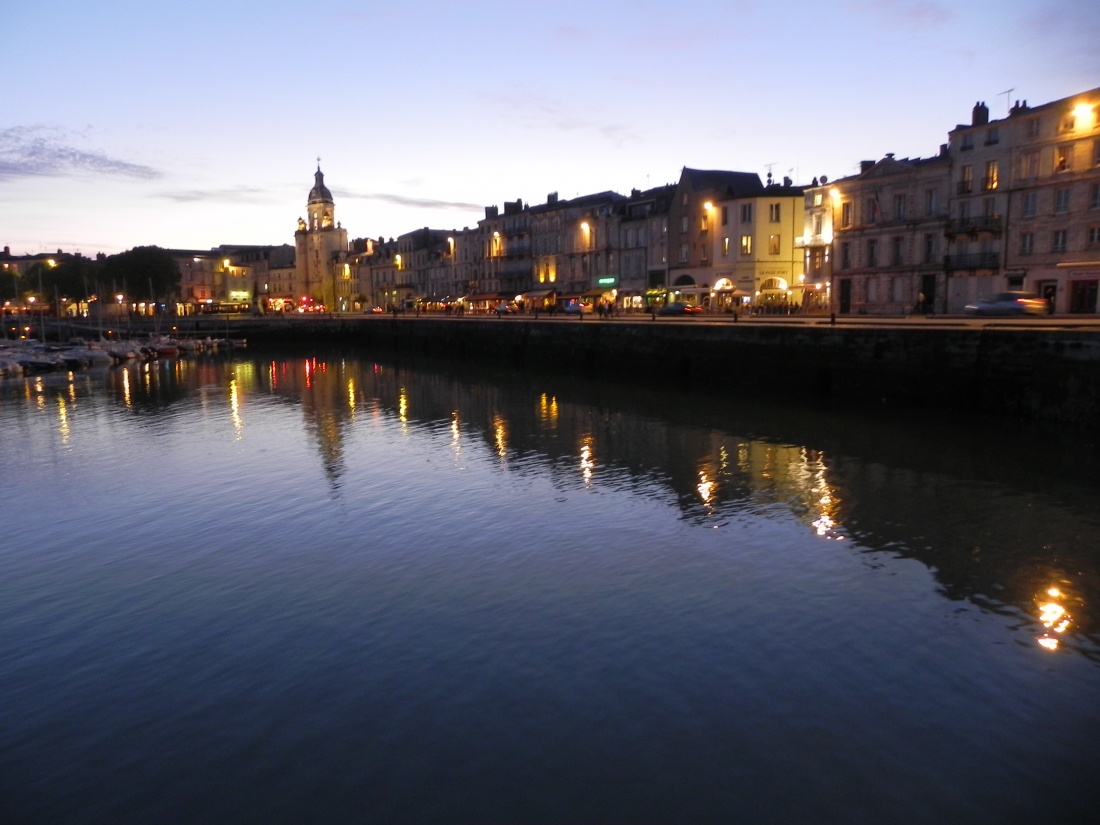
[239, 194]
[405, 200]
[29, 151]
[915, 14]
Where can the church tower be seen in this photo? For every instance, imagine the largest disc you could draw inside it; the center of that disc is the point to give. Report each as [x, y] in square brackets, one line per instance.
[321, 246]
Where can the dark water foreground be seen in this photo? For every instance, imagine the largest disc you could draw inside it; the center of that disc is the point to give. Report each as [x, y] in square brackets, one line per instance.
[280, 588]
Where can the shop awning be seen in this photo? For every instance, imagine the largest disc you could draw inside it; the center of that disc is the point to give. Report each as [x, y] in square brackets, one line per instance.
[482, 296]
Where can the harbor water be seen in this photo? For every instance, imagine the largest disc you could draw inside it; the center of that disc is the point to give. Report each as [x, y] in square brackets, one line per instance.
[324, 587]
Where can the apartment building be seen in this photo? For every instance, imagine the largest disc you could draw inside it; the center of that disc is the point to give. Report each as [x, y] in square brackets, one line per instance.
[886, 229]
[1050, 155]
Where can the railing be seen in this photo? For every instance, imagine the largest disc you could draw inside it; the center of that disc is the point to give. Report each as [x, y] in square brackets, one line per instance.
[972, 261]
[976, 225]
[803, 242]
[964, 187]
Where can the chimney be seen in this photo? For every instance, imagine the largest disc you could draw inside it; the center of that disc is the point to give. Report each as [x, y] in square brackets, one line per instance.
[787, 181]
[865, 165]
[491, 212]
[552, 197]
[981, 114]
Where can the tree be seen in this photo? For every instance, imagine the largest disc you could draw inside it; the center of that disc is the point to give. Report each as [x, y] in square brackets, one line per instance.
[141, 269]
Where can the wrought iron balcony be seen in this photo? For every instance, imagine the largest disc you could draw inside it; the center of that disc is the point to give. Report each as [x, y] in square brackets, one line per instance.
[993, 224]
[972, 261]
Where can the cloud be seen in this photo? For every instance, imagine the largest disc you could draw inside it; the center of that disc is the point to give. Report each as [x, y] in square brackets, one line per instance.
[403, 200]
[30, 151]
[917, 14]
[239, 194]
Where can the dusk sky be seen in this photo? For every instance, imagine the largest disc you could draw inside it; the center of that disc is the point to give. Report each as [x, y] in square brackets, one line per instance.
[189, 125]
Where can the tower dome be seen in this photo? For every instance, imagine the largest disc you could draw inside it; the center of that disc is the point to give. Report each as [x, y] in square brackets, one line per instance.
[319, 193]
[322, 212]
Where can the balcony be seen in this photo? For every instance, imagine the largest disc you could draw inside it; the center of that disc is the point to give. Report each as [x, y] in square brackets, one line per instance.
[991, 224]
[809, 241]
[972, 261]
[964, 187]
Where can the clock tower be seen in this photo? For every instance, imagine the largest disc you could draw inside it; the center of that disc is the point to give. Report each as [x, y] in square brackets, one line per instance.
[321, 246]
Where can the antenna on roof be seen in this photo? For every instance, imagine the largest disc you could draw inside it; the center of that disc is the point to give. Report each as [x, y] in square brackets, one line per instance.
[1006, 93]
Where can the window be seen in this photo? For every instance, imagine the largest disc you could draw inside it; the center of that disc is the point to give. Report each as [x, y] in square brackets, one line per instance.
[746, 244]
[846, 255]
[725, 215]
[703, 222]
[684, 199]
[990, 179]
[773, 212]
[1029, 164]
[929, 248]
[993, 136]
[1094, 196]
[966, 179]
[746, 213]
[818, 219]
[1061, 201]
[1063, 157]
[1096, 153]
[901, 209]
[931, 201]
[683, 253]
[1058, 241]
[1033, 128]
[703, 250]
[1094, 236]
[1027, 243]
[989, 207]
[968, 141]
[725, 246]
[871, 209]
[1030, 204]
[872, 252]
[846, 214]
[684, 223]
[897, 251]
[773, 244]
[818, 197]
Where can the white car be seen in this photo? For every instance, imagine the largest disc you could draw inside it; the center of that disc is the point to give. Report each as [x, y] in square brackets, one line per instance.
[1009, 303]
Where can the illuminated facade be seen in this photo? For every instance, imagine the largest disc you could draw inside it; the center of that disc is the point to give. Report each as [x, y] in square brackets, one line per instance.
[323, 273]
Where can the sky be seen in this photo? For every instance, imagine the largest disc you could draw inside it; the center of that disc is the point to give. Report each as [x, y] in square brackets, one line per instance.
[195, 124]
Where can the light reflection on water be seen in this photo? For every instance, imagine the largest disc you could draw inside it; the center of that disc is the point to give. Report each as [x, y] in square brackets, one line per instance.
[332, 585]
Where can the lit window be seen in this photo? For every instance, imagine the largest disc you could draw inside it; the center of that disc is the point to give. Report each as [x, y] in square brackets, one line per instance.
[746, 244]
[773, 244]
[725, 246]
[1063, 158]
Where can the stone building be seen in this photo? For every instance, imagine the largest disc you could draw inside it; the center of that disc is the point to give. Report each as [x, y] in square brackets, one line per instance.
[322, 274]
[886, 227]
[1041, 167]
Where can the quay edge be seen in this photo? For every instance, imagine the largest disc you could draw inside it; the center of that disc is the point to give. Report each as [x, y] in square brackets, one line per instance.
[1041, 374]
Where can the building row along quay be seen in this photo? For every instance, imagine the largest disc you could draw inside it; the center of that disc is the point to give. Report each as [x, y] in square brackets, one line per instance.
[1008, 204]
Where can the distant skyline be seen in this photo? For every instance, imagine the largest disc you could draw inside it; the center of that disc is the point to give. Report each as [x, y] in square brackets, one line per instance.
[190, 125]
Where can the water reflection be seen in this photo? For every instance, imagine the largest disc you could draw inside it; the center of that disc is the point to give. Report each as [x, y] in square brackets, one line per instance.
[1001, 531]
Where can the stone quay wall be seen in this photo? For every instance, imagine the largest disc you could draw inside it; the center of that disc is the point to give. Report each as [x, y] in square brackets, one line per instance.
[1007, 372]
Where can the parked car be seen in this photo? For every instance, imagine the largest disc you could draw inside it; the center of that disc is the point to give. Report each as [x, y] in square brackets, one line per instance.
[679, 308]
[576, 308]
[1009, 303]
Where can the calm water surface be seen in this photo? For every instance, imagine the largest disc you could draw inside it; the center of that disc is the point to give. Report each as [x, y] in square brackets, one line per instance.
[276, 588]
